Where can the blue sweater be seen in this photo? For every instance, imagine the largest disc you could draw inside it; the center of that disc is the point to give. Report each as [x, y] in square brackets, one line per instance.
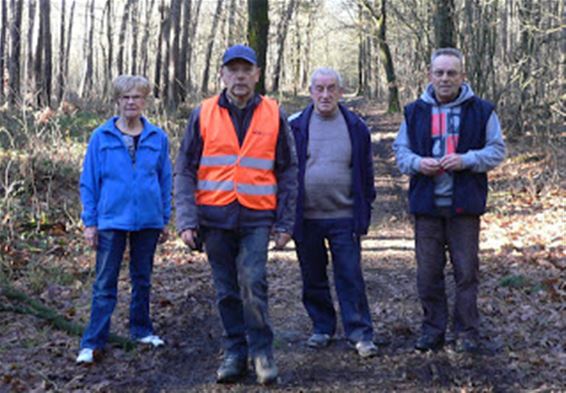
[115, 193]
[363, 189]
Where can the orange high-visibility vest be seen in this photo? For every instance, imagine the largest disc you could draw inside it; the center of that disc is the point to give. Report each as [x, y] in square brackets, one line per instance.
[229, 171]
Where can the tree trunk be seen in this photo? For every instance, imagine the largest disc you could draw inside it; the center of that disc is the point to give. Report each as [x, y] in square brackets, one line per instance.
[258, 29]
[183, 53]
[69, 35]
[380, 20]
[26, 305]
[193, 33]
[134, 22]
[38, 61]
[61, 73]
[145, 40]
[3, 51]
[31, 28]
[47, 52]
[122, 38]
[444, 24]
[157, 76]
[108, 76]
[211, 36]
[165, 56]
[87, 81]
[232, 23]
[174, 88]
[281, 37]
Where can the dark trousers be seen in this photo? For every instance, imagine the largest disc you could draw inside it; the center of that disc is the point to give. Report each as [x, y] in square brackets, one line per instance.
[350, 288]
[238, 259]
[458, 235]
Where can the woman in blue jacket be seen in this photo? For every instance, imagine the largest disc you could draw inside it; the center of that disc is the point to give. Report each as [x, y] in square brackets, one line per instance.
[126, 196]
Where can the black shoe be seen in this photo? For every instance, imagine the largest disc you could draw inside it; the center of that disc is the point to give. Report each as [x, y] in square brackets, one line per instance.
[429, 343]
[233, 368]
[467, 344]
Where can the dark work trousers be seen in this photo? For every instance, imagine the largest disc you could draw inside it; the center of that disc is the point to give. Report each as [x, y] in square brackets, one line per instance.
[344, 246]
[434, 236]
[238, 258]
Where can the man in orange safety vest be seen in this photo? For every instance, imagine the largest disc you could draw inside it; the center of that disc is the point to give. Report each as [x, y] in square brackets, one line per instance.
[235, 186]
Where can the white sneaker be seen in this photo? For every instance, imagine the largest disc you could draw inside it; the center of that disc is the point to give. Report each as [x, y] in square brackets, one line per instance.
[156, 341]
[366, 349]
[86, 355]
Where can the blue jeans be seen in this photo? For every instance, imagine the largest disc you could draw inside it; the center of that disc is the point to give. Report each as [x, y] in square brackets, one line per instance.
[348, 278]
[109, 253]
[238, 258]
[434, 236]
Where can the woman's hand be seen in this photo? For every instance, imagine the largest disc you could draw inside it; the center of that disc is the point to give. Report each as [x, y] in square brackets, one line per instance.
[91, 236]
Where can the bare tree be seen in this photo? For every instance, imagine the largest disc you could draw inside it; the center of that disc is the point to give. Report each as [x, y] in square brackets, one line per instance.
[61, 73]
[190, 48]
[134, 22]
[184, 47]
[379, 16]
[47, 52]
[444, 23]
[122, 37]
[69, 35]
[3, 51]
[258, 29]
[173, 93]
[157, 75]
[211, 36]
[87, 80]
[15, 51]
[281, 36]
[31, 28]
[166, 42]
[145, 40]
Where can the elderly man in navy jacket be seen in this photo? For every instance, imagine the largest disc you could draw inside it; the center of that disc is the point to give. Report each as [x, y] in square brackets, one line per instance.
[448, 141]
[336, 190]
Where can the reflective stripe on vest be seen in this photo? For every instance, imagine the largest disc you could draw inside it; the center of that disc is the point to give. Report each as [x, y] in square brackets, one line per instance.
[230, 172]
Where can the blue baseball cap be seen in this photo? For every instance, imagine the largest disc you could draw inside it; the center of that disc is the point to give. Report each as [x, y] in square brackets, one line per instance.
[239, 52]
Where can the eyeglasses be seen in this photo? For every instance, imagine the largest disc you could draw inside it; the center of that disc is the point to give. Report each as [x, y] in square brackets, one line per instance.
[449, 73]
[133, 98]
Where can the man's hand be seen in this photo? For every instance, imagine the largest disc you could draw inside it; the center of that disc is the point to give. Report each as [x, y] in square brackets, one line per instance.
[164, 236]
[91, 236]
[188, 236]
[281, 239]
[429, 166]
[452, 162]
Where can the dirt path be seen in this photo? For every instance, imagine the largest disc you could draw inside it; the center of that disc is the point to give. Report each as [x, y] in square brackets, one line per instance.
[522, 328]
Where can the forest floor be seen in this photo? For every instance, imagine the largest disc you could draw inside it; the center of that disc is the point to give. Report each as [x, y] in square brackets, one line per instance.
[522, 302]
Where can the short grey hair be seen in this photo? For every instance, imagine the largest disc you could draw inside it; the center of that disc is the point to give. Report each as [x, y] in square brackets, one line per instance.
[124, 83]
[457, 53]
[327, 71]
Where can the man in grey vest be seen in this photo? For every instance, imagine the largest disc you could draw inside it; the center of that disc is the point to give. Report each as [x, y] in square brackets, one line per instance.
[336, 191]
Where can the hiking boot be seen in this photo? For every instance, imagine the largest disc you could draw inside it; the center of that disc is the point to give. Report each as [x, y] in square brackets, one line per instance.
[429, 343]
[319, 340]
[156, 341]
[86, 356]
[233, 368]
[467, 344]
[265, 369]
[366, 349]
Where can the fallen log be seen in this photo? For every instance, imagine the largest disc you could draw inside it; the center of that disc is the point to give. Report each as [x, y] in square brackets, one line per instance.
[33, 307]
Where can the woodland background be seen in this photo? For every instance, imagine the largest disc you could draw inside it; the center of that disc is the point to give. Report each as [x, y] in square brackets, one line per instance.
[57, 59]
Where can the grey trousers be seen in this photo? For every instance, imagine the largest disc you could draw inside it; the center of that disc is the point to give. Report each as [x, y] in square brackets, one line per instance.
[434, 237]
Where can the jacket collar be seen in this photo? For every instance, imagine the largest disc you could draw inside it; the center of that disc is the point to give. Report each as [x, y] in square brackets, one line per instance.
[109, 127]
